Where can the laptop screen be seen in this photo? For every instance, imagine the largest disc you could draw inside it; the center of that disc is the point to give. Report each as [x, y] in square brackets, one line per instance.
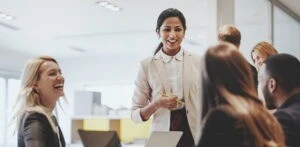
[164, 139]
[99, 138]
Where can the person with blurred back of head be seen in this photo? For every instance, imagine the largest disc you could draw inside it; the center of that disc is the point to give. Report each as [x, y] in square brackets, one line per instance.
[42, 84]
[233, 115]
[279, 79]
[230, 33]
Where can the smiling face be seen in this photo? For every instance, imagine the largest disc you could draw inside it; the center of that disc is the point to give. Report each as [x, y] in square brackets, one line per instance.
[171, 33]
[50, 83]
[258, 59]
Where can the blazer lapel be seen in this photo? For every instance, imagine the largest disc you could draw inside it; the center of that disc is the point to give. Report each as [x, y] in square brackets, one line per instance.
[186, 75]
[162, 74]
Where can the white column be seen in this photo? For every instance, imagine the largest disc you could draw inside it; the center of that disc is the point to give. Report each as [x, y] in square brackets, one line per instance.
[220, 12]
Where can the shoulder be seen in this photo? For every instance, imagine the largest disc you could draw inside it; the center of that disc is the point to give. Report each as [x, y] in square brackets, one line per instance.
[147, 60]
[191, 54]
[34, 125]
[284, 116]
[29, 116]
[34, 118]
[193, 57]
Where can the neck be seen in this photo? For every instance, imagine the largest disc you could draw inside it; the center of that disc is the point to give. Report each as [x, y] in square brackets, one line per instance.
[48, 104]
[284, 96]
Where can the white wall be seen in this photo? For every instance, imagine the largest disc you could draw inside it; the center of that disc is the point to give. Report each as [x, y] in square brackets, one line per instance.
[12, 62]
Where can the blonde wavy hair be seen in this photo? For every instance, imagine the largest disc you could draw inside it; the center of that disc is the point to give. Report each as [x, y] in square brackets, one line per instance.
[28, 96]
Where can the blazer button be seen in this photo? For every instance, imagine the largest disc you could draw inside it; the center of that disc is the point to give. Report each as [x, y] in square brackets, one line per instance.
[187, 111]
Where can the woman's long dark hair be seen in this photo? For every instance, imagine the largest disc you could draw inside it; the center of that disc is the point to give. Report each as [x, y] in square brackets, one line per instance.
[170, 12]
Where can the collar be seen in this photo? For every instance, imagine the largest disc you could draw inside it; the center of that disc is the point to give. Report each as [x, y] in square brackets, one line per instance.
[291, 100]
[166, 58]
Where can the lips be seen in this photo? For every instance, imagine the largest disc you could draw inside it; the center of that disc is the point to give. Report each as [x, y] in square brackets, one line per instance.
[172, 41]
[59, 86]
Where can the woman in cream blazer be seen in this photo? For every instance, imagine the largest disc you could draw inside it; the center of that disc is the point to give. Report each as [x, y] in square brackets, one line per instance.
[151, 82]
[170, 68]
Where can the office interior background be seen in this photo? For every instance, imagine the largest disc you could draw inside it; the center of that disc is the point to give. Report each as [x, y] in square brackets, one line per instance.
[99, 45]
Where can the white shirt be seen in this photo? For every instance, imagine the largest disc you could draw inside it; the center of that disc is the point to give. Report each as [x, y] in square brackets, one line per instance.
[174, 69]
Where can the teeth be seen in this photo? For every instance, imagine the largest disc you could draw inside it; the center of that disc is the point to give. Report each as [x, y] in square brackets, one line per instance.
[58, 85]
[172, 41]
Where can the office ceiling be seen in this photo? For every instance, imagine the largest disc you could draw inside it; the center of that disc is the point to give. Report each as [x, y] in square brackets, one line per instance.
[69, 28]
[294, 5]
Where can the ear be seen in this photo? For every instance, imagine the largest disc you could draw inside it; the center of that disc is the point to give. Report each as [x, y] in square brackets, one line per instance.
[272, 85]
[36, 89]
[157, 32]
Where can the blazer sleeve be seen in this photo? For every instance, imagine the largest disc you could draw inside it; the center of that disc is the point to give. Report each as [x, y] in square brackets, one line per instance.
[222, 127]
[142, 93]
[288, 127]
[34, 132]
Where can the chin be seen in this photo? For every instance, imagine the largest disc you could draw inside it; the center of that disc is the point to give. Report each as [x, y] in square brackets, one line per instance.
[60, 95]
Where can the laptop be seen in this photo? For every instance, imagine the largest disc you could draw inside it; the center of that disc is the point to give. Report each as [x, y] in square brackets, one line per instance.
[164, 139]
[99, 138]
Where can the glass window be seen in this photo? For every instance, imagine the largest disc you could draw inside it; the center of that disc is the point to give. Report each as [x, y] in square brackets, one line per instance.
[2, 97]
[13, 89]
[286, 33]
[252, 19]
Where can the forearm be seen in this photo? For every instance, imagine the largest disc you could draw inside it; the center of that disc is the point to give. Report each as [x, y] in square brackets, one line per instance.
[148, 110]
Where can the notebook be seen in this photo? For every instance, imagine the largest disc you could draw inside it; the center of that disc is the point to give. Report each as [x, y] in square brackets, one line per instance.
[164, 139]
[99, 138]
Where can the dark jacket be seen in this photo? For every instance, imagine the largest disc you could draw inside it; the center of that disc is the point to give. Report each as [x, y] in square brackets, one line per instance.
[224, 127]
[254, 72]
[288, 115]
[36, 131]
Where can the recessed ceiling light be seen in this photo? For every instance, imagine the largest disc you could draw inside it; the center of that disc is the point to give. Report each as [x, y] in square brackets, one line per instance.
[6, 16]
[9, 17]
[102, 3]
[108, 5]
[78, 49]
[116, 8]
[2, 15]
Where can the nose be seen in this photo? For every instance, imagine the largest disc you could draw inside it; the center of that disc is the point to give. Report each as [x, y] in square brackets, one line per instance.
[60, 77]
[172, 33]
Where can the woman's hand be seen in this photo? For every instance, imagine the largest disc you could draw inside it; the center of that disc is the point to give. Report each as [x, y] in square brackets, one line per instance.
[169, 102]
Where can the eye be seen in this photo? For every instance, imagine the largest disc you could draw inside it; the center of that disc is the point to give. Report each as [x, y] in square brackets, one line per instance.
[52, 73]
[178, 29]
[166, 29]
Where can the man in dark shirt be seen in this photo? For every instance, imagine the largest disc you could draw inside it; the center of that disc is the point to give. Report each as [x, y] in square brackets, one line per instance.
[231, 34]
[279, 79]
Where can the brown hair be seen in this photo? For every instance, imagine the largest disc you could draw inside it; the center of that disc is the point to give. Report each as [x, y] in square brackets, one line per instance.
[265, 49]
[230, 33]
[229, 80]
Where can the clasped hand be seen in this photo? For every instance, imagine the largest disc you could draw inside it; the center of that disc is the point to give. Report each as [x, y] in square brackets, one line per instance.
[169, 102]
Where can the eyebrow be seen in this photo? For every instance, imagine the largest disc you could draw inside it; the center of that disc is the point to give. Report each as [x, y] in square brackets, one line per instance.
[54, 69]
[175, 26]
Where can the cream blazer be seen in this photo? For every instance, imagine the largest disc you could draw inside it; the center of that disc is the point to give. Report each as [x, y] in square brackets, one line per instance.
[151, 82]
